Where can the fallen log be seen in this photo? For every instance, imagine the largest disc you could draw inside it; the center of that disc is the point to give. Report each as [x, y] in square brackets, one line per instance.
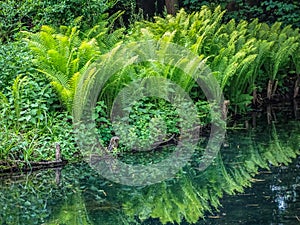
[23, 166]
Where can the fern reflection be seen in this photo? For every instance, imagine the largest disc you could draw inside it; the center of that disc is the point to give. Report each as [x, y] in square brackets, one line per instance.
[193, 194]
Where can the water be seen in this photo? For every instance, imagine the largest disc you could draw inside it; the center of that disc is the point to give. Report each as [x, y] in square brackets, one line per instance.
[254, 180]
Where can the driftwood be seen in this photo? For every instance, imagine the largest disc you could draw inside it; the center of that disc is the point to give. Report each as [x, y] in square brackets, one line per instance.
[25, 166]
[19, 165]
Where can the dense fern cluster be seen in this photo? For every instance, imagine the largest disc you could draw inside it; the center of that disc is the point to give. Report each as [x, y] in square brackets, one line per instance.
[249, 60]
[243, 56]
[252, 62]
[61, 57]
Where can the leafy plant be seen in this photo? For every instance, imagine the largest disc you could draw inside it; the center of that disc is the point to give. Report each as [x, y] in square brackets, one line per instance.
[29, 129]
[31, 15]
[61, 57]
[269, 11]
[15, 59]
[238, 54]
[150, 120]
[103, 123]
[279, 56]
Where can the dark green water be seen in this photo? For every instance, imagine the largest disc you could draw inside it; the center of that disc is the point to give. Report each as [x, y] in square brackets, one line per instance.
[254, 180]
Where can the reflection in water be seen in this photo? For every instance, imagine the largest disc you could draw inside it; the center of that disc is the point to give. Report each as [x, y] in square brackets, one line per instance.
[83, 197]
[193, 194]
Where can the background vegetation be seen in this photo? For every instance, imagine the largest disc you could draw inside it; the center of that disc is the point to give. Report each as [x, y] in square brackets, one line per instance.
[269, 11]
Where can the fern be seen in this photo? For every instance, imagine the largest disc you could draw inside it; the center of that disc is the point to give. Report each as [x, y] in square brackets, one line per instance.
[240, 55]
[62, 57]
[16, 93]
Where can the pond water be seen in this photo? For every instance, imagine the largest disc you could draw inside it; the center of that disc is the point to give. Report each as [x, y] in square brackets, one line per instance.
[255, 179]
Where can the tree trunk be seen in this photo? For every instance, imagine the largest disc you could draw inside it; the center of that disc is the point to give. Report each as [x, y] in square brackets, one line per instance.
[172, 6]
[148, 6]
[151, 7]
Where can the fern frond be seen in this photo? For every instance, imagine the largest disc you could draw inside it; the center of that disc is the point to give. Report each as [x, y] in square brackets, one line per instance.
[16, 93]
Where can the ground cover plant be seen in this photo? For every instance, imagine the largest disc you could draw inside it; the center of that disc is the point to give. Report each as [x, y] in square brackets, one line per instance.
[29, 128]
[33, 120]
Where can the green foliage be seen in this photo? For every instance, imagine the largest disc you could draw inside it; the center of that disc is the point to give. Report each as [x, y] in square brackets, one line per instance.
[103, 124]
[29, 130]
[129, 10]
[223, 46]
[150, 120]
[31, 15]
[242, 56]
[286, 12]
[63, 55]
[269, 11]
[195, 5]
[280, 55]
[15, 59]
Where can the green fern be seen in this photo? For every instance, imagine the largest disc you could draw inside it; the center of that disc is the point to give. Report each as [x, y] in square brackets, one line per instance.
[62, 57]
[16, 93]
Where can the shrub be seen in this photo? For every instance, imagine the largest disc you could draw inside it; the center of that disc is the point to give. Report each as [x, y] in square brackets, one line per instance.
[15, 59]
[31, 15]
